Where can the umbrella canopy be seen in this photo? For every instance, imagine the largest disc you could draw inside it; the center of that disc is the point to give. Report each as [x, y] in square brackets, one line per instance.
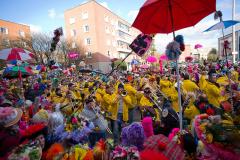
[10, 54]
[13, 72]
[166, 16]
[151, 59]
[222, 25]
[135, 62]
[85, 70]
[163, 57]
[188, 59]
[144, 66]
[73, 55]
[198, 46]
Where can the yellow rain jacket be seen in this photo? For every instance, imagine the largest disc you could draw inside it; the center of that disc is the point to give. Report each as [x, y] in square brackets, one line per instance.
[173, 95]
[99, 98]
[144, 102]
[189, 86]
[165, 86]
[113, 105]
[213, 93]
[235, 76]
[132, 92]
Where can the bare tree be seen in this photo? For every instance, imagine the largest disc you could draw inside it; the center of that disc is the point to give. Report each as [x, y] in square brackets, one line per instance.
[65, 46]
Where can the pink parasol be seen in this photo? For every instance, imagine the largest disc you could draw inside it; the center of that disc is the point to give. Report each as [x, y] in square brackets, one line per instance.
[198, 46]
[73, 55]
[163, 57]
[151, 59]
[144, 66]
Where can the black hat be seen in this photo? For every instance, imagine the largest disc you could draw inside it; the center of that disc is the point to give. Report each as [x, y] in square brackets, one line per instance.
[120, 86]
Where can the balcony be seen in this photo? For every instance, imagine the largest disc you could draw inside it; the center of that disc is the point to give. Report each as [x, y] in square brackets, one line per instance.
[123, 49]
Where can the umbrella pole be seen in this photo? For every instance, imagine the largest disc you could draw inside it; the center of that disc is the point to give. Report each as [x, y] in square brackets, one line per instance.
[177, 70]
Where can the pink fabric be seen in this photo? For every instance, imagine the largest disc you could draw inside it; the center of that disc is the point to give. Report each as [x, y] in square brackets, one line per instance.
[147, 126]
[173, 133]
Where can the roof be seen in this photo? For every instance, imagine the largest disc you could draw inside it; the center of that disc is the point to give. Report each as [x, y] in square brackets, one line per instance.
[97, 57]
[101, 6]
[14, 22]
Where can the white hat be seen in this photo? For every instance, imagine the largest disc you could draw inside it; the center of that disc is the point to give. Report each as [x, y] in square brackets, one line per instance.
[28, 103]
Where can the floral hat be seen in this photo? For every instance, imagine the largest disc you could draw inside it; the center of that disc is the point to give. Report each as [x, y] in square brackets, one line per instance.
[10, 116]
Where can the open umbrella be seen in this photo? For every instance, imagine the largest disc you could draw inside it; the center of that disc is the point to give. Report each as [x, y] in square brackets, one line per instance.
[188, 59]
[197, 46]
[163, 57]
[10, 54]
[13, 72]
[222, 25]
[151, 59]
[134, 62]
[166, 16]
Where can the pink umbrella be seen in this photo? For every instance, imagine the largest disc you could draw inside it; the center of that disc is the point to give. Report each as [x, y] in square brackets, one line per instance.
[73, 55]
[198, 46]
[163, 57]
[151, 59]
[144, 66]
[10, 54]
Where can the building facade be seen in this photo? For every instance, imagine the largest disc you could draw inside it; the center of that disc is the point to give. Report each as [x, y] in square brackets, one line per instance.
[104, 34]
[229, 38]
[10, 31]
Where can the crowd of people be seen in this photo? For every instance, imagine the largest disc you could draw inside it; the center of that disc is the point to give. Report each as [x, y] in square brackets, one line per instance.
[127, 115]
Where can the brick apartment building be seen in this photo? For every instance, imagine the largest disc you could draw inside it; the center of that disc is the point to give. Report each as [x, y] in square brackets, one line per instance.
[10, 31]
[104, 34]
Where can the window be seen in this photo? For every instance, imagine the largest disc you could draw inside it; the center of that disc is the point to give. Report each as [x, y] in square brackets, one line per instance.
[114, 43]
[113, 33]
[86, 28]
[123, 26]
[112, 22]
[108, 42]
[108, 53]
[89, 54]
[72, 20]
[73, 32]
[88, 41]
[106, 18]
[107, 29]
[21, 33]
[6, 42]
[74, 45]
[3, 30]
[85, 15]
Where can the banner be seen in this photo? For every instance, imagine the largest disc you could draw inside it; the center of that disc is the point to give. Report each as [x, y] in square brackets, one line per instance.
[141, 44]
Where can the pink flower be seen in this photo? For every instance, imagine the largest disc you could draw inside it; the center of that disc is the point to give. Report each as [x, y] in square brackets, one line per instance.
[74, 120]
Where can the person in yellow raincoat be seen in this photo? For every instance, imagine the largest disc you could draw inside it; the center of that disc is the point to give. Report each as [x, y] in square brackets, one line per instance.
[146, 105]
[118, 107]
[166, 85]
[190, 90]
[213, 91]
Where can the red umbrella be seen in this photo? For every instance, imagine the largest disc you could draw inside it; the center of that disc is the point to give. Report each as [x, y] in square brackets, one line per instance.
[188, 59]
[10, 54]
[166, 16]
